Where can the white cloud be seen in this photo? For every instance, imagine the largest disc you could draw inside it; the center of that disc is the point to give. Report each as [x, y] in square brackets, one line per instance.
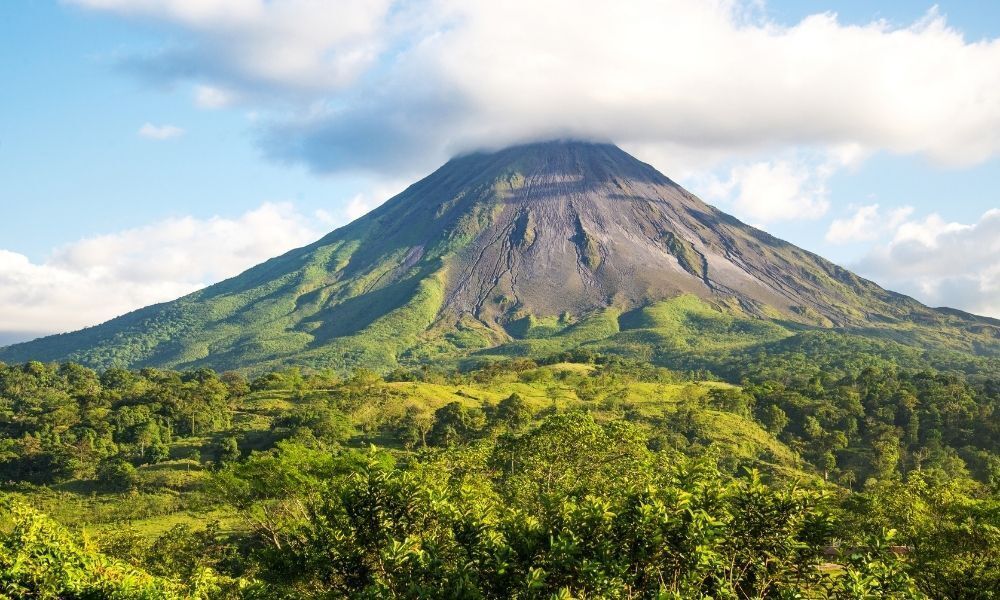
[363, 203]
[942, 263]
[358, 206]
[325, 217]
[160, 132]
[866, 224]
[793, 187]
[927, 232]
[389, 83]
[210, 97]
[305, 45]
[94, 279]
[771, 191]
[860, 227]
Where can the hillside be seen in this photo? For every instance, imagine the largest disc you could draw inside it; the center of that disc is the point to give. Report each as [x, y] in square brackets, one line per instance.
[525, 251]
[577, 478]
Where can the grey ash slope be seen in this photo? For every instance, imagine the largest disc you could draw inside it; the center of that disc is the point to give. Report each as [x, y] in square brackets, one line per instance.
[583, 226]
[554, 232]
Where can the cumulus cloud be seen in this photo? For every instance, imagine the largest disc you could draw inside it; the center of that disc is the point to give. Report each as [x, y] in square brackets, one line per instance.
[301, 45]
[771, 191]
[867, 223]
[97, 278]
[942, 263]
[789, 188]
[160, 132]
[371, 82]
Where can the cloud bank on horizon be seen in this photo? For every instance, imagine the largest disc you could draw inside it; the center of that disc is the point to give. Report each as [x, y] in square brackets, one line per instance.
[761, 115]
[95, 279]
[942, 263]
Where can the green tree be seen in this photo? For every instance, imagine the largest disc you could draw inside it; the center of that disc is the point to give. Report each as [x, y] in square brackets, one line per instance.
[39, 559]
[117, 474]
[229, 450]
[774, 419]
[454, 423]
[512, 412]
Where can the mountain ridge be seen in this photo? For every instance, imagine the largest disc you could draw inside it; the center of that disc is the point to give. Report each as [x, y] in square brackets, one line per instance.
[488, 248]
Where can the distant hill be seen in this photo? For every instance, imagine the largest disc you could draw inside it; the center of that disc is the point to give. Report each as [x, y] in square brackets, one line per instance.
[531, 250]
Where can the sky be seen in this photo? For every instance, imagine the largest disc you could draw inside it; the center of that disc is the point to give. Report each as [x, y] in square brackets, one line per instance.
[151, 147]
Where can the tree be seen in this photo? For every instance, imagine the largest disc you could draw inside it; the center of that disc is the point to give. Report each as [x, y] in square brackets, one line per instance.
[512, 412]
[731, 400]
[117, 474]
[158, 452]
[236, 383]
[325, 423]
[203, 402]
[885, 455]
[774, 419]
[454, 423]
[182, 553]
[145, 437]
[269, 490]
[229, 450]
[569, 452]
[414, 426]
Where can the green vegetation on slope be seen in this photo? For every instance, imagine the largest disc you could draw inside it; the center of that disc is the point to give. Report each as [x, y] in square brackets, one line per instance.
[39, 559]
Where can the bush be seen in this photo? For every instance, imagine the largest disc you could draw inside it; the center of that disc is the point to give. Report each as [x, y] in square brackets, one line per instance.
[117, 474]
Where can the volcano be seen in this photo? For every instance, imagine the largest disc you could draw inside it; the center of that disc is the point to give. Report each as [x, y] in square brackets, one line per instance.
[530, 249]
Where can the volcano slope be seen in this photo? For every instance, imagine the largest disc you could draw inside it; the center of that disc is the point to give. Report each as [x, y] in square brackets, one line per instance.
[526, 251]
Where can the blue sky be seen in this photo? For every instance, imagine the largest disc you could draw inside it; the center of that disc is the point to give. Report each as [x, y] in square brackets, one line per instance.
[288, 120]
[71, 162]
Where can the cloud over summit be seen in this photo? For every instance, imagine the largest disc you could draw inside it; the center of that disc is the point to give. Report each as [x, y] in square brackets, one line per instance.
[363, 84]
